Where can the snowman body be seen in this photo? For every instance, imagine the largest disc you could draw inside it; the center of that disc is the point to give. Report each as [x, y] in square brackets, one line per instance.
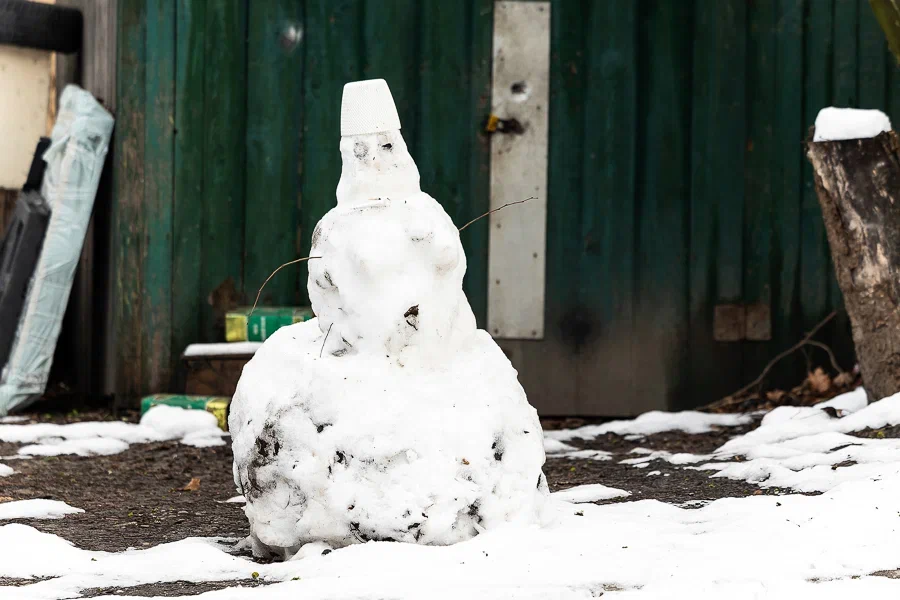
[390, 416]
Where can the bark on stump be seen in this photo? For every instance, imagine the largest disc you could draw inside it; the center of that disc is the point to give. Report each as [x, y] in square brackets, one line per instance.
[858, 185]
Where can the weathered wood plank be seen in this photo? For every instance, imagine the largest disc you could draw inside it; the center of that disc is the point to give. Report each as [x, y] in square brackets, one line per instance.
[872, 60]
[213, 376]
[224, 158]
[607, 220]
[475, 237]
[718, 142]
[129, 216]
[661, 316]
[446, 131]
[759, 200]
[787, 185]
[396, 61]
[189, 147]
[156, 312]
[274, 104]
[7, 203]
[87, 329]
[815, 266]
[333, 48]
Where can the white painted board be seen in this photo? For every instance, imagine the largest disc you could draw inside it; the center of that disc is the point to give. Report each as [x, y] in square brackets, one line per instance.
[520, 91]
[24, 101]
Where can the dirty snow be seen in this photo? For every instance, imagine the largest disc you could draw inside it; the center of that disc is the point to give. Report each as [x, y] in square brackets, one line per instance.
[160, 423]
[849, 124]
[15, 419]
[38, 508]
[761, 546]
[592, 492]
[808, 450]
[651, 423]
[805, 449]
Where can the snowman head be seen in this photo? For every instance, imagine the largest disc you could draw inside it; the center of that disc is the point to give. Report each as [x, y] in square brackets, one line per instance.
[375, 161]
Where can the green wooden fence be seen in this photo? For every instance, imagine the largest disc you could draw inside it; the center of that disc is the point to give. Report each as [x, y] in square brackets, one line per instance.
[677, 179]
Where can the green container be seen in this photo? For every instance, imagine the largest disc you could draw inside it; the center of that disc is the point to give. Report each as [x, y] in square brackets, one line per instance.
[217, 405]
[241, 326]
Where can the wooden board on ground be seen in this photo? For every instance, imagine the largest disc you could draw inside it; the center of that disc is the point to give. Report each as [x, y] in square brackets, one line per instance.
[214, 375]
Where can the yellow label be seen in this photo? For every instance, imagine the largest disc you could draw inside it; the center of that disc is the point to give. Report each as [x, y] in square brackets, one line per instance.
[235, 327]
[219, 408]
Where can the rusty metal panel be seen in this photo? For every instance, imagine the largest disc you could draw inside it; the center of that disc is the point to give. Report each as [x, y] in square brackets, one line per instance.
[729, 323]
[758, 323]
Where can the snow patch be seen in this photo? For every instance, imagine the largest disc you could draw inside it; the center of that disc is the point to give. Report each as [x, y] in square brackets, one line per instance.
[5, 471]
[222, 349]
[720, 549]
[654, 422]
[552, 446]
[160, 423]
[36, 509]
[808, 450]
[591, 492]
[834, 124]
[15, 419]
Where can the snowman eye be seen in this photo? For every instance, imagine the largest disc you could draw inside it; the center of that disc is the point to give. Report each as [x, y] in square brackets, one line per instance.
[387, 147]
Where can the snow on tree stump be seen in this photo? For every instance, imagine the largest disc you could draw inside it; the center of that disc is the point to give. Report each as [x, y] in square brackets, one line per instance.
[389, 416]
[858, 186]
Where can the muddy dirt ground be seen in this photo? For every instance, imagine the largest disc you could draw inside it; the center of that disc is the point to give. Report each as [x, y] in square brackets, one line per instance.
[134, 499]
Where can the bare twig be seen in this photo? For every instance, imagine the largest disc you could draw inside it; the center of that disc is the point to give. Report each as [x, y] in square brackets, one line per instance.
[325, 340]
[827, 349]
[496, 209]
[293, 262]
[788, 352]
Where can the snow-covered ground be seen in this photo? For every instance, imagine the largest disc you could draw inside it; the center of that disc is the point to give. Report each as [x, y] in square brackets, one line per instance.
[160, 423]
[789, 546]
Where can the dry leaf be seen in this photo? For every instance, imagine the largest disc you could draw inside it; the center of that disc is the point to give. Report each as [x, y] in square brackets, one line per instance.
[6, 499]
[844, 379]
[193, 485]
[775, 395]
[819, 380]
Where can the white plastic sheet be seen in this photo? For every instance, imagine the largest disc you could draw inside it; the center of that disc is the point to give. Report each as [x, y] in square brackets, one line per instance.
[78, 148]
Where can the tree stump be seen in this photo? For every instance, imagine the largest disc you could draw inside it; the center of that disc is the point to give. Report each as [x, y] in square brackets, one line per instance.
[858, 185]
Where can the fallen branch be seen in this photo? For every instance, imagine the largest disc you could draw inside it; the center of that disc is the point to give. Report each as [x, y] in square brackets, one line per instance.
[293, 262]
[827, 349]
[807, 339]
[496, 209]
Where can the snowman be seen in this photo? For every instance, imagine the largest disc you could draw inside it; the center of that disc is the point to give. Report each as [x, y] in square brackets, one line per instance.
[390, 416]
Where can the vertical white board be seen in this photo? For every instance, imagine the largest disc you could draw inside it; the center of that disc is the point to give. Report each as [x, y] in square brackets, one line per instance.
[24, 104]
[520, 100]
